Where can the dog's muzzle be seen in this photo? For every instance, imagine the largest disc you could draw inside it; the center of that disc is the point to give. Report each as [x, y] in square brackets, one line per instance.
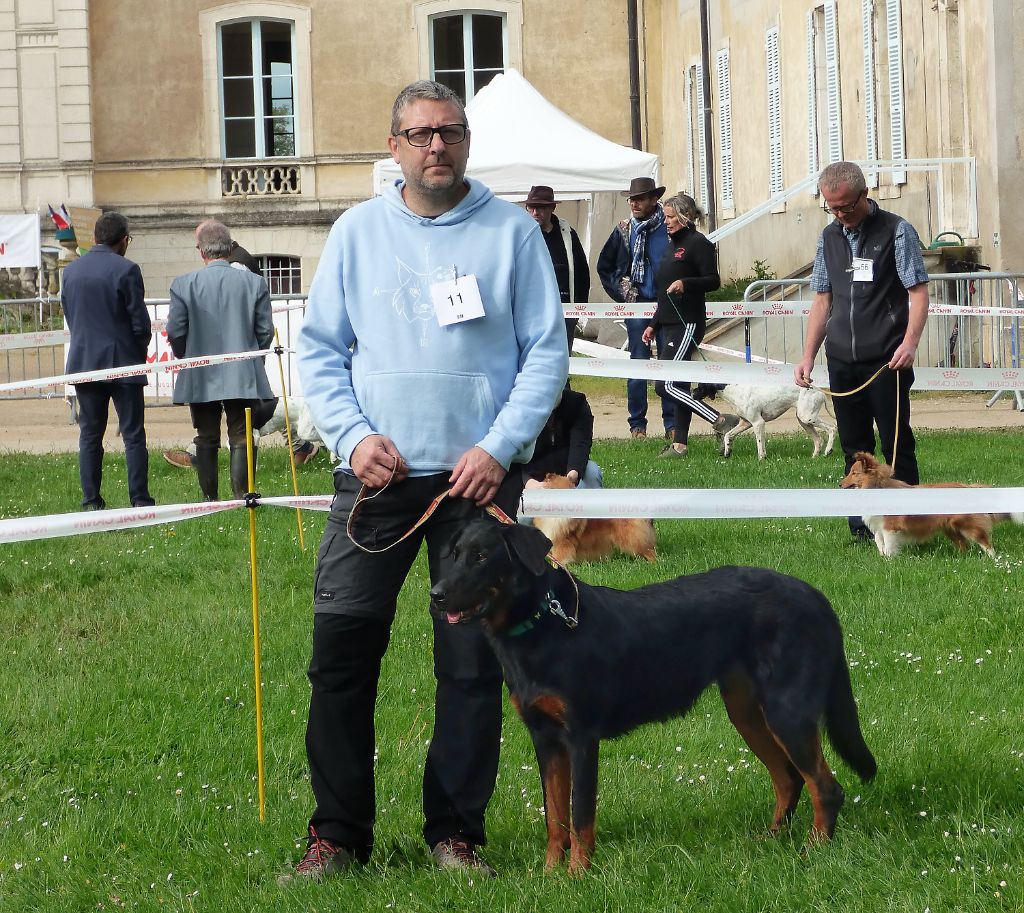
[438, 598]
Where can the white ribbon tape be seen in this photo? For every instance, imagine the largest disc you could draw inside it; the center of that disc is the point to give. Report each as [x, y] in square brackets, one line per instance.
[720, 503]
[54, 526]
[781, 375]
[691, 504]
[157, 367]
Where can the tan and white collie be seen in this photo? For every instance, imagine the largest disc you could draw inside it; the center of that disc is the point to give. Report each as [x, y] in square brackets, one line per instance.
[592, 539]
[892, 533]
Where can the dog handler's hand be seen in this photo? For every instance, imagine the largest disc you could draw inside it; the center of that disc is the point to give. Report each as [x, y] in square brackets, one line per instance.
[802, 373]
[376, 461]
[903, 357]
[477, 476]
[648, 335]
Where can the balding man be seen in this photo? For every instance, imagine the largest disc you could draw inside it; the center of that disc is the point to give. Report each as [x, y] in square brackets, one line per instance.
[214, 311]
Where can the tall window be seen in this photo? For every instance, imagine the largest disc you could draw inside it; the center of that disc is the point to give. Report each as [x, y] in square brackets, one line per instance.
[725, 126]
[824, 100]
[283, 274]
[897, 126]
[257, 89]
[867, 16]
[776, 181]
[467, 50]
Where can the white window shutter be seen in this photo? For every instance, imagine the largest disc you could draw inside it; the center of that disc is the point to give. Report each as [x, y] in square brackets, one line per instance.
[834, 100]
[691, 170]
[813, 165]
[725, 127]
[701, 144]
[776, 180]
[870, 112]
[897, 123]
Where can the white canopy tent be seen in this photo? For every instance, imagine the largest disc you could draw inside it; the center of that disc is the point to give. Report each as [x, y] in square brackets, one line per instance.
[520, 139]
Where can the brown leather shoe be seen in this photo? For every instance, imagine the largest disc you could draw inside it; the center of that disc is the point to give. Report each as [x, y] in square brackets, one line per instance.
[181, 459]
[305, 452]
[638, 434]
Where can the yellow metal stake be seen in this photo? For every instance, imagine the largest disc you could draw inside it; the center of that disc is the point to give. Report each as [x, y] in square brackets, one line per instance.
[288, 433]
[255, 619]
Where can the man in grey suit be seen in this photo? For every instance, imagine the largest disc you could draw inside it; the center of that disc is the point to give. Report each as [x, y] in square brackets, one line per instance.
[214, 311]
[102, 297]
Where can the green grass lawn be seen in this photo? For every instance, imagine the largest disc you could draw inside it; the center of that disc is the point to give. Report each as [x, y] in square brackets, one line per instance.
[127, 757]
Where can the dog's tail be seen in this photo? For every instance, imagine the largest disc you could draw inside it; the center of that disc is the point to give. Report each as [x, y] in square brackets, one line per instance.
[843, 724]
[1009, 518]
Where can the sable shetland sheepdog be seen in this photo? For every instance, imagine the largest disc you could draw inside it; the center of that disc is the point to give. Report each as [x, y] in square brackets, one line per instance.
[892, 532]
[592, 539]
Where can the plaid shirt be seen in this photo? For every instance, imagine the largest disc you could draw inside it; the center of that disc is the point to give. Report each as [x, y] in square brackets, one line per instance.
[909, 262]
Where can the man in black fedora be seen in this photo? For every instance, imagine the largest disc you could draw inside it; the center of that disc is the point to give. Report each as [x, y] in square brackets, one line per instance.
[626, 266]
[567, 256]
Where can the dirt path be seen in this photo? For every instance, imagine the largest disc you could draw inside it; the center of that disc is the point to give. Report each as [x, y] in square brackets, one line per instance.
[44, 426]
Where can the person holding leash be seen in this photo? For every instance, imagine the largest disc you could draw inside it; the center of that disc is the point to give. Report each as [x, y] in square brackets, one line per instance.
[867, 264]
[431, 355]
[686, 272]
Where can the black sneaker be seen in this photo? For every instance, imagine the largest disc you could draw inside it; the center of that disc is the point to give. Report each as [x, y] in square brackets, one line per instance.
[459, 853]
[322, 858]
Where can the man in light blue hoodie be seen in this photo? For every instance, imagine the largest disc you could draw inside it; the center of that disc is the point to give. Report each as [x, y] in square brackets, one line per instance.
[431, 354]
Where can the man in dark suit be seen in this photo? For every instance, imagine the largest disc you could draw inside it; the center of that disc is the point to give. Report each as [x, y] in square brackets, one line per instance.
[103, 304]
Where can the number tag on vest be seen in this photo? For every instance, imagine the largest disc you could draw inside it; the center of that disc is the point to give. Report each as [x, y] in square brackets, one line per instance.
[863, 270]
[456, 300]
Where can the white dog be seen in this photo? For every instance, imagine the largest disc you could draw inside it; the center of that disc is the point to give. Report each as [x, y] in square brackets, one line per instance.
[760, 404]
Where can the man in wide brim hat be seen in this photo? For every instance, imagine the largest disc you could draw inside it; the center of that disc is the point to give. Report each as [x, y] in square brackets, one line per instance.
[641, 187]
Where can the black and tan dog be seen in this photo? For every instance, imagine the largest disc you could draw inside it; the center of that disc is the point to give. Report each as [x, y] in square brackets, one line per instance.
[771, 642]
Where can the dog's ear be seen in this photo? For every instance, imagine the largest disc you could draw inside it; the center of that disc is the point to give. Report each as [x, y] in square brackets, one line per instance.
[865, 459]
[529, 545]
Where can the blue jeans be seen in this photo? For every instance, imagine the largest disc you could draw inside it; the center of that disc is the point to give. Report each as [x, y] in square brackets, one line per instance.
[636, 388]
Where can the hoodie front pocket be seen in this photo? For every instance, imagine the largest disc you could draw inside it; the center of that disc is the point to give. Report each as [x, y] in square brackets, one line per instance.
[433, 417]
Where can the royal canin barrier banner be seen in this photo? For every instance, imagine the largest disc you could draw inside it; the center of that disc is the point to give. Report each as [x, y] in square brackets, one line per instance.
[599, 310]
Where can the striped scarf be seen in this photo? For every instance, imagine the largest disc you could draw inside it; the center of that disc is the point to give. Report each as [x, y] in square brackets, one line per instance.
[642, 230]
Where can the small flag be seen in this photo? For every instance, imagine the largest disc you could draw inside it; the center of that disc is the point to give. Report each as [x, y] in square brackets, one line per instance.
[60, 218]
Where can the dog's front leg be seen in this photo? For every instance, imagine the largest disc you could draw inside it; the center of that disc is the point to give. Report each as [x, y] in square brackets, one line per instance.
[583, 755]
[555, 778]
[759, 437]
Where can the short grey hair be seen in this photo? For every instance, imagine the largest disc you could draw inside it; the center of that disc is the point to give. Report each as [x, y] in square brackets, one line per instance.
[427, 90]
[838, 173]
[213, 239]
[686, 207]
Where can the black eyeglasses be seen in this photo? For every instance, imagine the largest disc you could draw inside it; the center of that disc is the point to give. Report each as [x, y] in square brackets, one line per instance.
[843, 210]
[451, 134]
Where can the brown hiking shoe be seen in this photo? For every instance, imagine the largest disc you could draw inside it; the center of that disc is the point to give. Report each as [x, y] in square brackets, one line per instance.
[638, 434]
[459, 853]
[322, 858]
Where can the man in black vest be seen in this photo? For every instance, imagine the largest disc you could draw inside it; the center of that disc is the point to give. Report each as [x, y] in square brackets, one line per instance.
[567, 256]
[867, 265]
